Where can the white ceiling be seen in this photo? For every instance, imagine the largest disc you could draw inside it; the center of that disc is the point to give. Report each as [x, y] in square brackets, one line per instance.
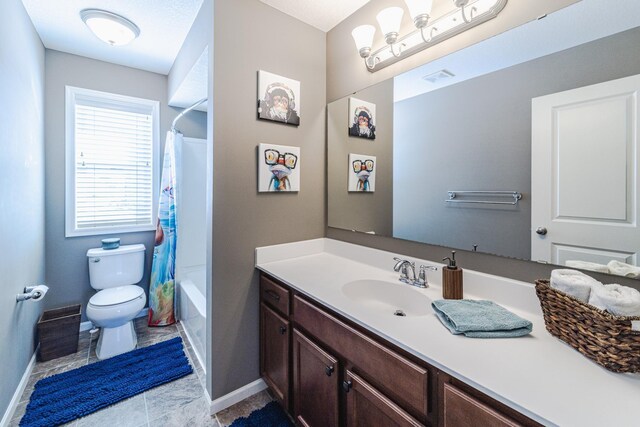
[324, 14]
[574, 25]
[164, 25]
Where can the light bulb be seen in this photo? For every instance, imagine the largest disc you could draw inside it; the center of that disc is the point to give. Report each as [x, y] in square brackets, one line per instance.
[389, 20]
[363, 36]
[420, 11]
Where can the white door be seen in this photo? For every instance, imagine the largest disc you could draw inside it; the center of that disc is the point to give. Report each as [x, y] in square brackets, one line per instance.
[584, 174]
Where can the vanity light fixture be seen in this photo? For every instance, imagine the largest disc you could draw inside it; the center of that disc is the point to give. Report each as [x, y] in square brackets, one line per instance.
[109, 27]
[465, 15]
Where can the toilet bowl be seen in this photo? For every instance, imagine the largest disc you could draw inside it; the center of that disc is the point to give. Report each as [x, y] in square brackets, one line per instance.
[118, 301]
[113, 310]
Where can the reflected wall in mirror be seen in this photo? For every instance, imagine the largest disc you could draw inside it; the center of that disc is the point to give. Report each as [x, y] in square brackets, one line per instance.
[476, 135]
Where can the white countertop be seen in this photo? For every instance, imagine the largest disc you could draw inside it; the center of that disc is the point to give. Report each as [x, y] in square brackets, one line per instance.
[537, 375]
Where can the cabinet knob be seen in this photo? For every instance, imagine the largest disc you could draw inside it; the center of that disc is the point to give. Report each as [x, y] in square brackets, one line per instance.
[346, 386]
[283, 330]
[328, 370]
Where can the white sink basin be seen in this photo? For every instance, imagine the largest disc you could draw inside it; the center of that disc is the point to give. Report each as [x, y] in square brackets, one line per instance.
[387, 297]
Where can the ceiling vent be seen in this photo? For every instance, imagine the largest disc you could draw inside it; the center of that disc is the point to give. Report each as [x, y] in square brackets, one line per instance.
[438, 75]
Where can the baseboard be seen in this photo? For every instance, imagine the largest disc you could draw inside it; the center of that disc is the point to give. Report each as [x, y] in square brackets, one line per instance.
[237, 395]
[19, 390]
[85, 326]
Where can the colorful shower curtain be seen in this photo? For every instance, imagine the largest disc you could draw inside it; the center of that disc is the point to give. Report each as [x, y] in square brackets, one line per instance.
[162, 286]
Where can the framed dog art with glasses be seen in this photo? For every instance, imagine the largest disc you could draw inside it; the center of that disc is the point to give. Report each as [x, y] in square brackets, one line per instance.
[362, 173]
[278, 168]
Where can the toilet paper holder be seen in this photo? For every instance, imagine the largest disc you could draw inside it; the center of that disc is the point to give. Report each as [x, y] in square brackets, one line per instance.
[29, 292]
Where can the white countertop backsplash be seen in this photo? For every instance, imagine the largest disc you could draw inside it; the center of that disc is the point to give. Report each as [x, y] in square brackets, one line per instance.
[537, 375]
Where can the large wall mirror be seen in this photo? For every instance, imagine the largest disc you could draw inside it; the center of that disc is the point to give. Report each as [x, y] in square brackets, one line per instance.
[524, 145]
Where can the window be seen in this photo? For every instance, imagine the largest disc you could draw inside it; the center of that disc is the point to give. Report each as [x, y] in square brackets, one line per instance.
[112, 145]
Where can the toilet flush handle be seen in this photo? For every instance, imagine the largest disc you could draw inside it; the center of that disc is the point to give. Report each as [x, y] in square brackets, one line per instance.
[95, 259]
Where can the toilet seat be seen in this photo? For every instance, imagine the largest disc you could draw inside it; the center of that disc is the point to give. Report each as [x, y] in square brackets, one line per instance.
[115, 296]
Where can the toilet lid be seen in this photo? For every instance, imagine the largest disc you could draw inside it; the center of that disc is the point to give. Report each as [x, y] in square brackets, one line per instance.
[117, 295]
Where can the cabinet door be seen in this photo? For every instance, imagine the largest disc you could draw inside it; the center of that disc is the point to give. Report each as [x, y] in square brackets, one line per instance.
[315, 384]
[367, 407]
[462, 410]
[274, 352]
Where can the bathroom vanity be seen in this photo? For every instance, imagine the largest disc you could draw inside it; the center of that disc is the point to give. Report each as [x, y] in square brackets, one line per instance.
[334, 353]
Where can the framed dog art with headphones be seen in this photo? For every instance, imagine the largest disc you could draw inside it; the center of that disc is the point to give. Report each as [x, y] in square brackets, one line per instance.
[278, 98]
[362, 119]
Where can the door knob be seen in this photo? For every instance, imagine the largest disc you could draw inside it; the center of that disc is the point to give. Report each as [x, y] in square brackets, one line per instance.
[541, 231]
[346, 386]
[328, 370]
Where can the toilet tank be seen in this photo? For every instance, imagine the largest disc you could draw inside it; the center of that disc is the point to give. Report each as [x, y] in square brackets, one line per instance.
[110, 268]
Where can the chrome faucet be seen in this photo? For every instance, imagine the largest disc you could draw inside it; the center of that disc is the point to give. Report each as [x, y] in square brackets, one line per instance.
[407, 271]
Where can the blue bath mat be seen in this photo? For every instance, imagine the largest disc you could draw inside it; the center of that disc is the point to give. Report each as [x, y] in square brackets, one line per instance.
[64, 397]
[269, 416]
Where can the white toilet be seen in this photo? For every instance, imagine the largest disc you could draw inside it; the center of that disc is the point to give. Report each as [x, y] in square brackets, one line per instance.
[113, 273]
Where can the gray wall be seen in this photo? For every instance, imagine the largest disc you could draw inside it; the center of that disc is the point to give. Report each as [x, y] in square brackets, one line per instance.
[249, 36]
[22, 181]
[346, 72]
[67, 271]
[361, 211]
[613, 63]
[491, 150]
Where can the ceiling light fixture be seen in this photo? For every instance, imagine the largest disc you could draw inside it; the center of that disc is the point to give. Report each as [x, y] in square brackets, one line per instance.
[112, 29]
[465, 15]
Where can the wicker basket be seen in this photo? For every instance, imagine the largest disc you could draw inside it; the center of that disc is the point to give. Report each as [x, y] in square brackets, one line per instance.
[606, 339]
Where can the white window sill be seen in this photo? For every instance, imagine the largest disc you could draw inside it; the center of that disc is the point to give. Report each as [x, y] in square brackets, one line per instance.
[109, 230]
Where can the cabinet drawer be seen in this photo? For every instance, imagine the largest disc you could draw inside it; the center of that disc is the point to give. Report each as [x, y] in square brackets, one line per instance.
[274, 295]
[397, 377]
[461, 410]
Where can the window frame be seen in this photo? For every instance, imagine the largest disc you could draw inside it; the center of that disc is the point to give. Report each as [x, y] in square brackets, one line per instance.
[109, 100]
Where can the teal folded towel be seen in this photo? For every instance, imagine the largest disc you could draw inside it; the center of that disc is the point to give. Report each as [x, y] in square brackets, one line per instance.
[480, 319]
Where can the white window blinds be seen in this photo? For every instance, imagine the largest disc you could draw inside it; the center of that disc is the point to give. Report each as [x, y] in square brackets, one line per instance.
[113, 161]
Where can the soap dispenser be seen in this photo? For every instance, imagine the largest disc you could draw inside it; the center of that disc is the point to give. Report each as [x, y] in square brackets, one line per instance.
[451, 279]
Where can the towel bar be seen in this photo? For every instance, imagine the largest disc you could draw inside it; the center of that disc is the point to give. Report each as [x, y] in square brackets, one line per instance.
[512, 194]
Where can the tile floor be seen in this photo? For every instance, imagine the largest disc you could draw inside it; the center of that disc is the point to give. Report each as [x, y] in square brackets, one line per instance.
[179, 403]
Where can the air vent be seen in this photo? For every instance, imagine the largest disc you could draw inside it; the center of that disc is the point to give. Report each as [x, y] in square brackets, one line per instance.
[438, 75]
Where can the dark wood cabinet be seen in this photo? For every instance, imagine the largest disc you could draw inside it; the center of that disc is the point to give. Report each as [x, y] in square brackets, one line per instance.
[402, 380]
[330, 372]
[315, 384]
[367, 407]
[274, 352]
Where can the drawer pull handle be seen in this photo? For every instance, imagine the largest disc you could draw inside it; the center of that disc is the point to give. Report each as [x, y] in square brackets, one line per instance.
[272, 295]
[328, 370]
[346, 386]
[283, 330]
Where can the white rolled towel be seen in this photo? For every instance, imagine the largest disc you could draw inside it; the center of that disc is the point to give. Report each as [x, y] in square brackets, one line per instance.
[573, 282]
[591, 266]
[616, 299]
[621, 269]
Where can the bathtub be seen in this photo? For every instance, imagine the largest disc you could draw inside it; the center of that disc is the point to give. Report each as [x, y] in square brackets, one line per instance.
[193, 310]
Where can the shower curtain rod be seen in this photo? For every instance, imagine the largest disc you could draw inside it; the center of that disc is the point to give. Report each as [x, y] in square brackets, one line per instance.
[185, 111]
